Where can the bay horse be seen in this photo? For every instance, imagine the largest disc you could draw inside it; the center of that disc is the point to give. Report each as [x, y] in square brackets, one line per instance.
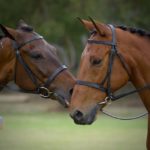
[32, 63]
[112, 57]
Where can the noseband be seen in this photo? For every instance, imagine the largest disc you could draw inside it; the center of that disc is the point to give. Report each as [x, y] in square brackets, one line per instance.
[108, 90]
[40, 89]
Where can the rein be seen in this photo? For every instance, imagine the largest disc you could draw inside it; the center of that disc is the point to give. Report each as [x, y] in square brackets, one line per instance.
[40, 89]
[110, 96]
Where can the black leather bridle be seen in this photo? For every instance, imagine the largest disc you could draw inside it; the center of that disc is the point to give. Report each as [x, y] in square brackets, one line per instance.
[113, 53]
[40, 89]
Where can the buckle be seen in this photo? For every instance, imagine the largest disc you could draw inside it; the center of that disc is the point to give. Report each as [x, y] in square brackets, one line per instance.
[107, 100]
[44, 92]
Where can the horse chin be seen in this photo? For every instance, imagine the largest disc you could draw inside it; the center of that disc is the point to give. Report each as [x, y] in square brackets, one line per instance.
[61, 100]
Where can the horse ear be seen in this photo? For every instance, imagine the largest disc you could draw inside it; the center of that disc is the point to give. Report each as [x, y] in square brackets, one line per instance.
[22, 25]
[100, 28]
[92, 25]
[88, 25]
[6, 32]
[103, 29]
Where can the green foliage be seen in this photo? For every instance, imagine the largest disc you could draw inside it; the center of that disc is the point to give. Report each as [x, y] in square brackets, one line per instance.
[56, 19]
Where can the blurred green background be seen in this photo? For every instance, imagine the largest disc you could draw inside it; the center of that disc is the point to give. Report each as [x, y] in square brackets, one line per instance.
[33, 123]
[56, 19]
[53, 131]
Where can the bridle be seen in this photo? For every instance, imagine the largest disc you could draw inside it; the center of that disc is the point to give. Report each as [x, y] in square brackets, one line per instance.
[113, 53]
[40, 89]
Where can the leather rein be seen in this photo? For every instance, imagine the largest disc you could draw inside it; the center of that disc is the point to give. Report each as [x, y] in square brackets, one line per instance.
[40, 89]
[113, 53]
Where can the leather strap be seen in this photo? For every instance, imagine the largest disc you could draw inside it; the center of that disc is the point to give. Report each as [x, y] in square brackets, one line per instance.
[107, 77]
[31, 75]
[54, 75]
[91, 84]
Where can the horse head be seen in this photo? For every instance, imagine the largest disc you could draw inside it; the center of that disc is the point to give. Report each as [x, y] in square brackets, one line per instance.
[33, 63]
[102, 71]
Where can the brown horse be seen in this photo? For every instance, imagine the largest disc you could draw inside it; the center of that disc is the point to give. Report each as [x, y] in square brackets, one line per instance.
[112, 57]
[33, 63]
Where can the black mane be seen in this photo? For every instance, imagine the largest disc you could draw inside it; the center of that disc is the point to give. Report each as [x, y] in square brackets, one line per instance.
[138, 31]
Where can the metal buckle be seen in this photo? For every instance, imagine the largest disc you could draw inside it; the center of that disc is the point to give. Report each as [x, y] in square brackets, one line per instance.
[44, 92]
[107, 100]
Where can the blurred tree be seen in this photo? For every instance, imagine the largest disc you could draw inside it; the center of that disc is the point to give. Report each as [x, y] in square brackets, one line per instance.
[56, 19]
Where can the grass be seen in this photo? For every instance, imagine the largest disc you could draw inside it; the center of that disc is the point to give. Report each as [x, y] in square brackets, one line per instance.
[56, 131]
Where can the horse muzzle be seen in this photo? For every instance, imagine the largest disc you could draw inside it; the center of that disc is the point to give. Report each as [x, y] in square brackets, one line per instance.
[84, 119]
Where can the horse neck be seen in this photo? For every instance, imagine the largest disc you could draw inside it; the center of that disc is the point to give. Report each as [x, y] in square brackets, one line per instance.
[137, 52]
[7, 61]
[140, 56]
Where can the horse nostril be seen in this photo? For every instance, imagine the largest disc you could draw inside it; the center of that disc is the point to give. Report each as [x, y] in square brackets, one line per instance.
[71, 91]
[78, 115]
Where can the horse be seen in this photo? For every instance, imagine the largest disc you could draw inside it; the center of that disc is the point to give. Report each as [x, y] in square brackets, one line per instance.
[32, 63]
[112, 56]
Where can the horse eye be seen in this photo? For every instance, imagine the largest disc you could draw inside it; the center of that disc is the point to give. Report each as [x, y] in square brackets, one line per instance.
[96, 61]
[36, 55]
